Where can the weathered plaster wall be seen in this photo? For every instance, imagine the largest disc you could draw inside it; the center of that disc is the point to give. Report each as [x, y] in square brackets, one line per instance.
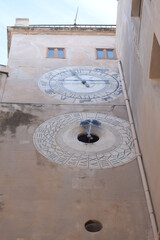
[134, 50]
[41, 199]
[28, 61]
[3, 78]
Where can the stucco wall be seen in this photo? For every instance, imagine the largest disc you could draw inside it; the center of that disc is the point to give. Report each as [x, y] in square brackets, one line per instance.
[134, 50]
[3, 77]
[51, 198]
[28, 61]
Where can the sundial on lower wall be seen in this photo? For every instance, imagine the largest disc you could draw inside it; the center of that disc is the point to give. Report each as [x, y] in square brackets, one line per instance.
[64, 140]
[81, 84]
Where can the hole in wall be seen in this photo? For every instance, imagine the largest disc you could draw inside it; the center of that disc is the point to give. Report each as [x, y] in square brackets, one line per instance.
[93, 226]
[83, 137]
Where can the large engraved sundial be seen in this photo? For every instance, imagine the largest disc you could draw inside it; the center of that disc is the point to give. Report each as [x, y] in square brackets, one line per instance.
[61, 140]
[81, 84]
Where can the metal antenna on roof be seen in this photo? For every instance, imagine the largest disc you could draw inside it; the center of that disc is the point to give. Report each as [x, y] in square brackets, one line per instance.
[76, 16]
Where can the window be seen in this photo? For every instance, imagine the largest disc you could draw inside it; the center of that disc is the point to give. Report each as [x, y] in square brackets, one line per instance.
[100, 53]
[56, 53]
[60, 53]
[110, 53]
[136, 14]
[136, 8]
[155, 60]
[105, 54]
[51, 52]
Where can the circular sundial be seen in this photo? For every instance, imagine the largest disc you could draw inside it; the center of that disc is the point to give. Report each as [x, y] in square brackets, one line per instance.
[62, 140]
[81, 84]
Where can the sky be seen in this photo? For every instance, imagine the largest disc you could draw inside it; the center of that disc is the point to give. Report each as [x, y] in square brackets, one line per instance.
[53, 12]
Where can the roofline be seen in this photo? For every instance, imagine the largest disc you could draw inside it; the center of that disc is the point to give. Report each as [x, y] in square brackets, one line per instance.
[74, 26]
[89, 29]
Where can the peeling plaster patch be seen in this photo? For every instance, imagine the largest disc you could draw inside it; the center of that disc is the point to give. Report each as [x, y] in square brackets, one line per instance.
[1, 205]
[11, 120]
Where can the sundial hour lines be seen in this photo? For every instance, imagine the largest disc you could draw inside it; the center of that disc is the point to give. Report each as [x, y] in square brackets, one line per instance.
[85, 140]
[81, 84]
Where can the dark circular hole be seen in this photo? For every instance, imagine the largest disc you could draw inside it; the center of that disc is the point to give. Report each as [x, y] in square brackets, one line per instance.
[93, 226]
[83, 137]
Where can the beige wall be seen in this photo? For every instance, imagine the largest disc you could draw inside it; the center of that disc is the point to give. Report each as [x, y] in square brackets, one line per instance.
[134, 45]
[51, 199]
[3, 78]
[28, 60]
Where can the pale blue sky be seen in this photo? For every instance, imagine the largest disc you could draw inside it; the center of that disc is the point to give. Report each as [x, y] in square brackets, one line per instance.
[53, 11]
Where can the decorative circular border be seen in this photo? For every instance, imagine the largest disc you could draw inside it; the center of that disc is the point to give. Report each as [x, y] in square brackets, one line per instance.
[56, 139]
[53, 83]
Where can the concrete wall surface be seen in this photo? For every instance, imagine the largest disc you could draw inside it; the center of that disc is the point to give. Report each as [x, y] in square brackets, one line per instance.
[138, 46]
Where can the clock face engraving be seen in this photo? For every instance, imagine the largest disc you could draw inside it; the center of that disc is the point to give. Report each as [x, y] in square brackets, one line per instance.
[57, 140]
[81, 84]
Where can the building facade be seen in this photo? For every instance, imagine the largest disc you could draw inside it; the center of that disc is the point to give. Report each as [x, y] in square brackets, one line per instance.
[138, 47]
[34, 51]
[3, 77]
[69, 164]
